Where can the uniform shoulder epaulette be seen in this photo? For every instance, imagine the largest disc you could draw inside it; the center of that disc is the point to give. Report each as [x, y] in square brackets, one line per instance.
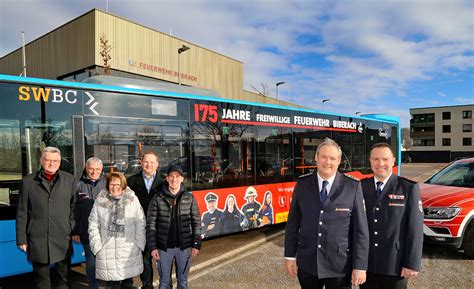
[306, 175]
[352, 177]
[409, 180]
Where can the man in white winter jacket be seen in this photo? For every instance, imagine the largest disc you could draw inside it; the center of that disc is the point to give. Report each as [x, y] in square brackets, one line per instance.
[117, 233]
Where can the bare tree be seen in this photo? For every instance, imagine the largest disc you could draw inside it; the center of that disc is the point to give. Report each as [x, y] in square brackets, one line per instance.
[406, 140]
[105, 49]
[263, 90]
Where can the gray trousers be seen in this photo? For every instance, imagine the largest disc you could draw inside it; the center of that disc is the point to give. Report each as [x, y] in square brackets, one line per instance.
[165, 266]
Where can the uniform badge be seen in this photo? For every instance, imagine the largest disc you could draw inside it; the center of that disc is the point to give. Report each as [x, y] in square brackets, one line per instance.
[343, 210]
[396, 197]
[396, 204]
[420, 206]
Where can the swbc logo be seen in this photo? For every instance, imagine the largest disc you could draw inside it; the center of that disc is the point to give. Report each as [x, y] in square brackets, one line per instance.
[54, 95]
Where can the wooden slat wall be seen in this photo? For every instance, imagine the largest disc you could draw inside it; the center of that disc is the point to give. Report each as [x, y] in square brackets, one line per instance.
[76, 45]
[61, 51]
[133, 43]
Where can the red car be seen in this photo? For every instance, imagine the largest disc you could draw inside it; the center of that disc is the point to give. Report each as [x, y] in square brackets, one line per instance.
[448, 204]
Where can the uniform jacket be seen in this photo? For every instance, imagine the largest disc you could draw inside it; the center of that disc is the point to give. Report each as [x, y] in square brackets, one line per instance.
[250, 211]
[209, 218]
[327, 240]
[86, 194]
[45, 216]
[230, 222]
[395, 224]
[117, 258]
[137, 184]
[267, 212]
[159, 218]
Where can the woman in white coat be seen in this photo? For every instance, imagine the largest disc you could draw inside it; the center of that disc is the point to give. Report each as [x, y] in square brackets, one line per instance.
[117, 233]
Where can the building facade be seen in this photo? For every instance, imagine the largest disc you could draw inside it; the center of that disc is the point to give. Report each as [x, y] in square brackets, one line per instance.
[441, 134]
[72, 52]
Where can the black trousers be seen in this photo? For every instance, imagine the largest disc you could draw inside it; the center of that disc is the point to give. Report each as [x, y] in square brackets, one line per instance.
[378, 281]
[127, 283]
[147, 275]
[308, 281]
[41, 273]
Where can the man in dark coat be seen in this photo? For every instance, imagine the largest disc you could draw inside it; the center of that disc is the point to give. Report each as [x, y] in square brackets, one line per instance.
[173, 229]
[395, 218]
[326, 234]
[88, 187]
[145, 184]
[45, 218]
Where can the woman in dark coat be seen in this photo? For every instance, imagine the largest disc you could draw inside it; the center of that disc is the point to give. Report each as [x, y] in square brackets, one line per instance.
[231, 218]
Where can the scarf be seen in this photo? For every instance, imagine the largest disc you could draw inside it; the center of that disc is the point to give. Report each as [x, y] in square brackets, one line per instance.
[116, 224]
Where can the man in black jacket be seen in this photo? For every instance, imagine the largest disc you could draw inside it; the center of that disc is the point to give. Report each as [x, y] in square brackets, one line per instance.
[45, 218]
[145, 184]
[395, 218]
[326, 236]
[88, 187]
[173, 228]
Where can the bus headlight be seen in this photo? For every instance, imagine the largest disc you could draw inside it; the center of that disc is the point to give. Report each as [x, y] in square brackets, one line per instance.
[441, 213]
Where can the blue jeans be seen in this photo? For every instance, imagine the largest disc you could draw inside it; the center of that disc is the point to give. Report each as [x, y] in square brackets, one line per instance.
[90, 266]
[165, 266]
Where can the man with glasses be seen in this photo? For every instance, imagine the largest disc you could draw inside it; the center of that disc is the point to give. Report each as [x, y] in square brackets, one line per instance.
[88, 187]
[45, 218]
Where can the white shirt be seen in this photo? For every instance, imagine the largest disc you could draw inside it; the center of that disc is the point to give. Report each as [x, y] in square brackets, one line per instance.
[330, 182]
[384, 182]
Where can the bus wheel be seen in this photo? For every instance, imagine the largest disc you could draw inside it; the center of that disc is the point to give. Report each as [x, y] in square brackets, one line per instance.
[468, 241]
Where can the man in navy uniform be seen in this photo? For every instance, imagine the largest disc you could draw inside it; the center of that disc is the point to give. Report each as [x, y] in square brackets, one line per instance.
[210, 219]
[327, 239]
[145, 184]
[395, 218]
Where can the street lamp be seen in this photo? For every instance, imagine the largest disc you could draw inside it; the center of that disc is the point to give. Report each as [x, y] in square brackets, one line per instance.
[323, 101]
[278, 84]
[181, 50]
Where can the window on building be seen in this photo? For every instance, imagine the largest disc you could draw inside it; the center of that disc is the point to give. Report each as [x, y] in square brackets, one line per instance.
[446, 115]
[423, 118]
[466, 127]
[446, 141]
[467, 141]
[467, 114]
[446, 128]
[423, 142]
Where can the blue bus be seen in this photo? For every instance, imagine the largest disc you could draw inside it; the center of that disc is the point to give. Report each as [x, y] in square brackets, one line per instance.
[224, 146]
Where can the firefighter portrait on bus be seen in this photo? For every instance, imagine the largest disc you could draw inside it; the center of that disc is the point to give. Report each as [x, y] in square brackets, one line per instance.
[250, 209]
[265, 216]
[210, 218]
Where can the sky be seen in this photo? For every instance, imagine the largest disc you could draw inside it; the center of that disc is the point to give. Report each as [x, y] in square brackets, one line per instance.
[371, 56]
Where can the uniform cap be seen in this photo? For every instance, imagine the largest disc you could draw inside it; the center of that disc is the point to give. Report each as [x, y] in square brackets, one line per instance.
[211, 197]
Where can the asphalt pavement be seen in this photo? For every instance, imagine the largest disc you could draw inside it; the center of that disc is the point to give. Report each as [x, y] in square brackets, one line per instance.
[254, 259]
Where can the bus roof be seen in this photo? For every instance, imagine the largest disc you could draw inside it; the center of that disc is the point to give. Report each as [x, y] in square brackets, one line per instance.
[111, 83]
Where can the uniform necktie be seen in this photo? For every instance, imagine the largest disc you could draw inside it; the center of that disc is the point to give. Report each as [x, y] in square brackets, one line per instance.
[323, 194]
[379, 189]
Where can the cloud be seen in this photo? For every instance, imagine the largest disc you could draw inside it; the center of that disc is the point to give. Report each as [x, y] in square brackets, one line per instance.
[364, 55]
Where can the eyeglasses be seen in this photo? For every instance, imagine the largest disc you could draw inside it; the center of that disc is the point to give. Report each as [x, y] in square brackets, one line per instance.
[115, 185]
